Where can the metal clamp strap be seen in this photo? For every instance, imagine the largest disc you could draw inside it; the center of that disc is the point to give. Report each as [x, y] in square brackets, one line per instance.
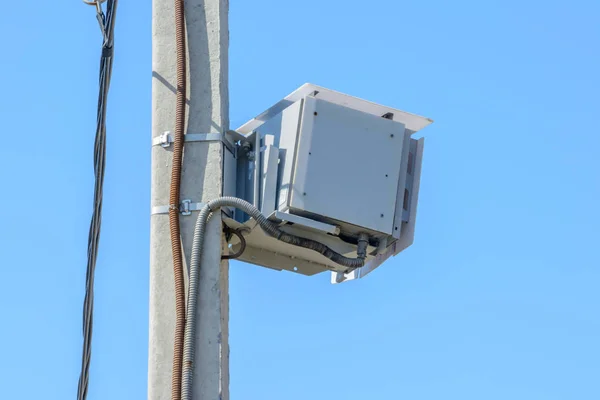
[185, 208]
[167, 138]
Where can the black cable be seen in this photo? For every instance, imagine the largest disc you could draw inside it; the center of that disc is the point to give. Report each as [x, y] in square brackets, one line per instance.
[237, 233]
[106, 21]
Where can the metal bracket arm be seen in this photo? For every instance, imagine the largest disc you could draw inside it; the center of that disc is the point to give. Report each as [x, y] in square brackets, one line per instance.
[167, 138]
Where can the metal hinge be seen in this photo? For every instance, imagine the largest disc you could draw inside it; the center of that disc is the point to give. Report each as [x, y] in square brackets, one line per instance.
[185, 208]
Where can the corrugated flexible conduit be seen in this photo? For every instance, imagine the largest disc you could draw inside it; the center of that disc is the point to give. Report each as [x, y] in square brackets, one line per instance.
[272, 230]
[174, 193]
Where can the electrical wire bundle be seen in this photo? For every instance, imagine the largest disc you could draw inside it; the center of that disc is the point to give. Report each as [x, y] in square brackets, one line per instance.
[106, 21]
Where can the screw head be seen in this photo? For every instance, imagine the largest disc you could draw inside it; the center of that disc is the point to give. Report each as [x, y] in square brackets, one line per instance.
[381, 215]
[392, 135]
[315, 113]
[304, 194]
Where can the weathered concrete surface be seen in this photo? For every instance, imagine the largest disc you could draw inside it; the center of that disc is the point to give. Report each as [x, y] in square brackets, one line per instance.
[208, 111]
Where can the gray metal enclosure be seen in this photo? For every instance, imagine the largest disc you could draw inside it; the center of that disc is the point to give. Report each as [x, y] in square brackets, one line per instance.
[328, 166]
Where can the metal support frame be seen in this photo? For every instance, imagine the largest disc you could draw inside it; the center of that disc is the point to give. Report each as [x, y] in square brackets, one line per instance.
[306, 222]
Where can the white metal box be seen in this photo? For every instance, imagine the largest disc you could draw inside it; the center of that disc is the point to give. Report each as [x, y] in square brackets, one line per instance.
[346, 166]
[328, 166]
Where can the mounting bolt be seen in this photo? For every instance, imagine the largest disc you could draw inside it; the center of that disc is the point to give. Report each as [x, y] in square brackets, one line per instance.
[315, 113]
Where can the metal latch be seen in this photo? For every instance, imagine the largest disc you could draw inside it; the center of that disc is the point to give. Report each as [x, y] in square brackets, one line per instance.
[164, 140]
[184, 207]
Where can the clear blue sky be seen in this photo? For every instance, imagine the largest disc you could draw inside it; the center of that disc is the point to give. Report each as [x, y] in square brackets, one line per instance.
[497, 299]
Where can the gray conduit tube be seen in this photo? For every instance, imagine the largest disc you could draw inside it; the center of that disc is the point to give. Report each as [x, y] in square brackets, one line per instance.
[272, 230]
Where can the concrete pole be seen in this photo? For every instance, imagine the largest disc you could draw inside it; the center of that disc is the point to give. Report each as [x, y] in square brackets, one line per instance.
[208, 111]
